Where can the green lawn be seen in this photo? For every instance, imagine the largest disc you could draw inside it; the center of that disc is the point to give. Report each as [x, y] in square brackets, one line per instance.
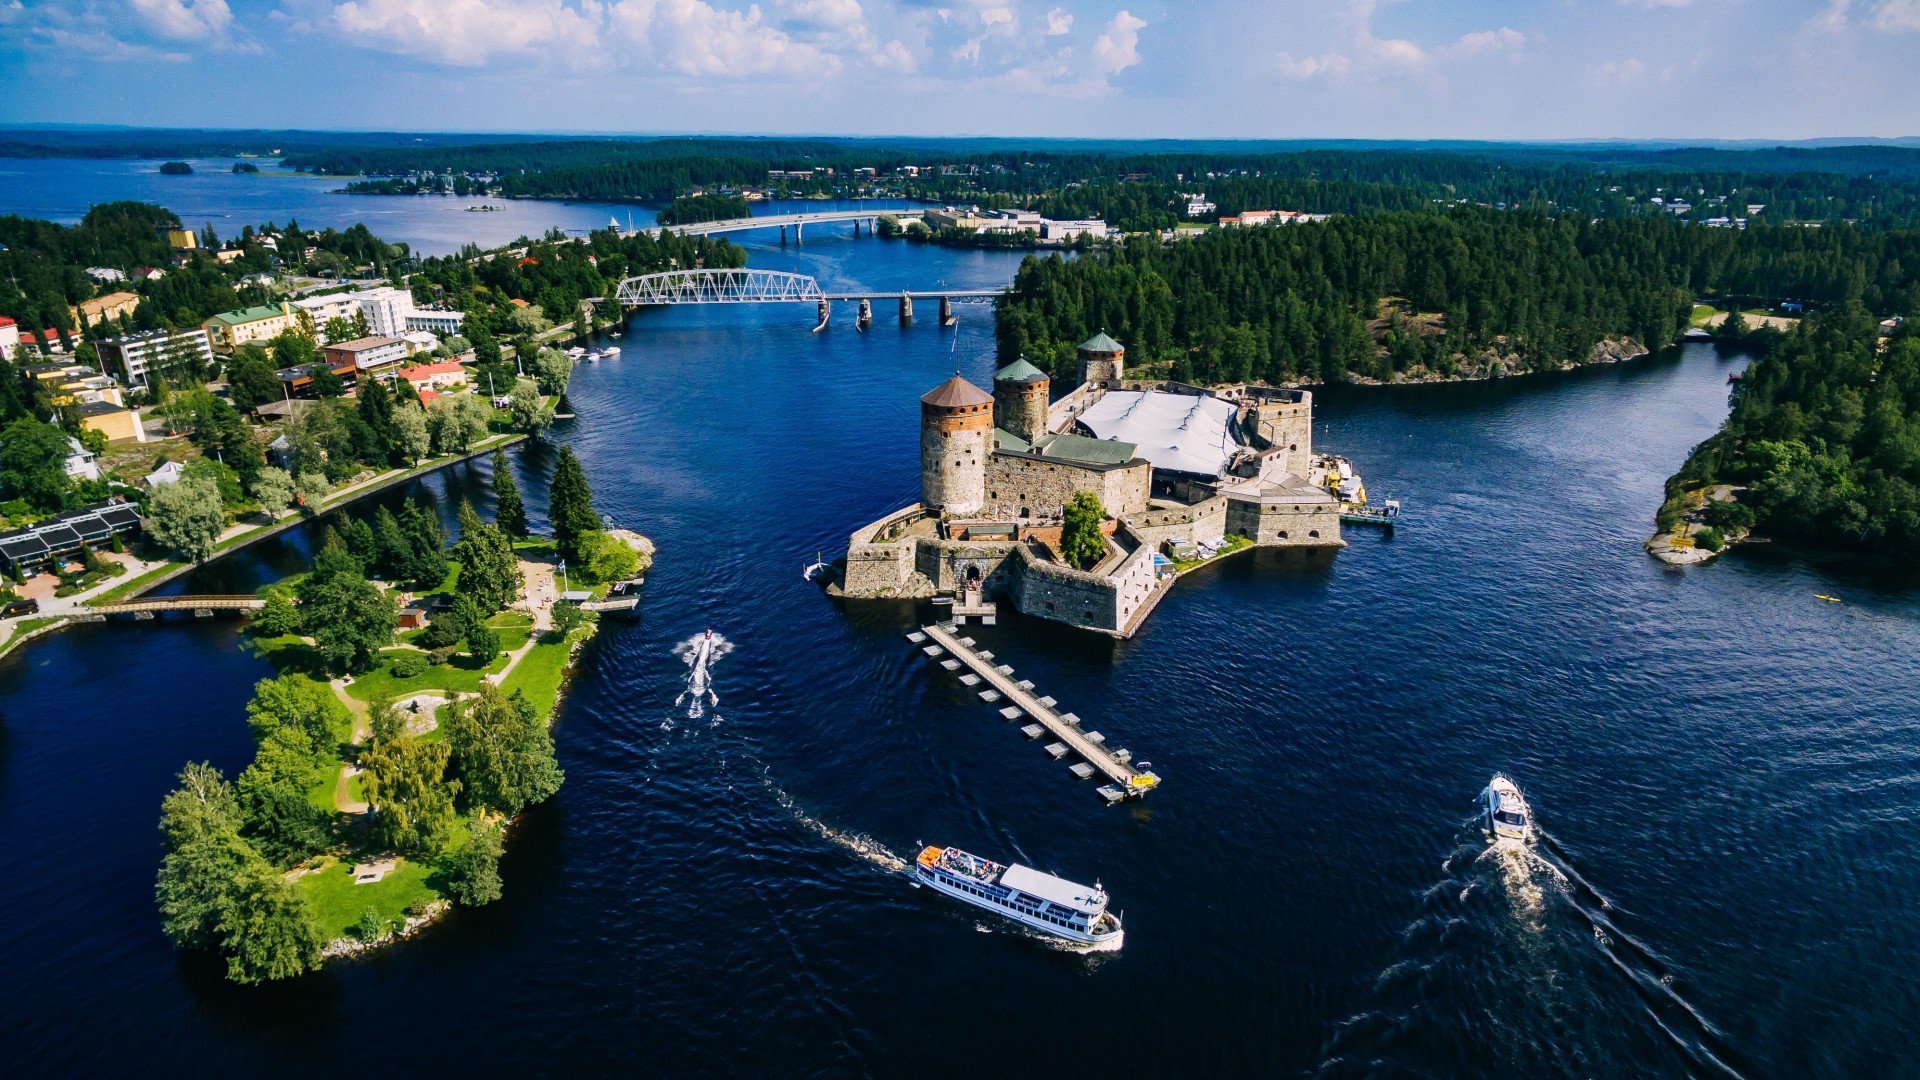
[23, 628]
[461, 674]
[539, 675]
[1701, 313]
[338, 902]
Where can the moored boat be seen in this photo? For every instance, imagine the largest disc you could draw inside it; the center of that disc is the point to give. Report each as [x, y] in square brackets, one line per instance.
[1386, 514]
[1049, 904]
[1509, 819]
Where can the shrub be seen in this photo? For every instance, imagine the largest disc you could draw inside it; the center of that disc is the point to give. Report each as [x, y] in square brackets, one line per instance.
[370, 926]
[410, 665]
[1725, 514]
[1711, 539]
[444, 653]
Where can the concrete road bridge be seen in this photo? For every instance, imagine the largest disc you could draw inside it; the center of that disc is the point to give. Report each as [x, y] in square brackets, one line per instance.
[783, 222]
[749, 286]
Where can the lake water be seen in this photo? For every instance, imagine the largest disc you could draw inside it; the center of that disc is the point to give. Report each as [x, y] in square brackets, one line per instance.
[1725, 767]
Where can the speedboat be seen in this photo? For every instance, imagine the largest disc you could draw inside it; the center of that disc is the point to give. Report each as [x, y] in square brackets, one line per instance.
[611, 352]
[1508, 818]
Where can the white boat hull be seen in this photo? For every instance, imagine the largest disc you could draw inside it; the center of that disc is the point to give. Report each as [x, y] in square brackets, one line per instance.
[935, 882]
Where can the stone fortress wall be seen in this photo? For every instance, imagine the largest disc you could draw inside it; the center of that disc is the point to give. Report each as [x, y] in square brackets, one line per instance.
[971, 528]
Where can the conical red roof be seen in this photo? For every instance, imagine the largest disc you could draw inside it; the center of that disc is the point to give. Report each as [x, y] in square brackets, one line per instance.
[956, 393]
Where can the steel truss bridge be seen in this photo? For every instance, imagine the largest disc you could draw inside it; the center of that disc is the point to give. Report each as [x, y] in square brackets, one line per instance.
[748, 286]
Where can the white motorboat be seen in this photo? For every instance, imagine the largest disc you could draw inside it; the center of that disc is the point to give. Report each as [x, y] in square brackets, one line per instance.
[1052, 905]
[1509, 820]
[611, 352]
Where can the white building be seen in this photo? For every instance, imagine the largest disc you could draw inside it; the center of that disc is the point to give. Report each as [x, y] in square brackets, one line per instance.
[420, 341]
[327, 307]
[386, 309]
[166, 474]
[106, 274]
[131, 356]
[80, 463]
[443, 323]
[9, 337]
[1198, 205]
[1012, 221]
[1066, 231]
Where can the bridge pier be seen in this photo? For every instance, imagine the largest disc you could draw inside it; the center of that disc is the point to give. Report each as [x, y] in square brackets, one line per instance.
[866, 313]
[906, 310]
[783, 236]
[202, 613]
[946, 311]
[143, 616]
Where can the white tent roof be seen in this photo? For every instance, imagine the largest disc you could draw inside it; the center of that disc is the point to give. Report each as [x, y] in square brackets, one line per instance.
[1180, 432]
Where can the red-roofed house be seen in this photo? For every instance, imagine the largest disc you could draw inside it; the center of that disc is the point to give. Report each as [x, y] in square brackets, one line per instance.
[9, 337]
[428, 377]
[427, 397]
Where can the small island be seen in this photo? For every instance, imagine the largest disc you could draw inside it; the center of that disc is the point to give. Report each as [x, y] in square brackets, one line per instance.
[175, 168]
[408, 726]
[240, 167]
[689, 209]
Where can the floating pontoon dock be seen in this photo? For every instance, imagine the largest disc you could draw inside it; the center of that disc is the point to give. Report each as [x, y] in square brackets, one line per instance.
[1065, 727]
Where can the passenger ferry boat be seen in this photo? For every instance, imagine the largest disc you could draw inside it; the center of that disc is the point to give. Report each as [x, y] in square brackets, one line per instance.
[1052, 905]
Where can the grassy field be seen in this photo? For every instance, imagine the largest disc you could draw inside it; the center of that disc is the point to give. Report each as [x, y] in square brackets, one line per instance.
[1701, 313]
[542, 671]
[338, 902]
[27, 626]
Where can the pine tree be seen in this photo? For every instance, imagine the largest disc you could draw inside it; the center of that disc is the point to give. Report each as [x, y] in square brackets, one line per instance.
[426, 548]
[509, 512]
[394, 551]
[570, 508]
[489, 573]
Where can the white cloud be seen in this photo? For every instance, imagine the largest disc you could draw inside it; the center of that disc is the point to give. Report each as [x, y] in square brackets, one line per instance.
[465, 32]
[1118, 46]
[1834, 18]
[693, 38]
[1306, 67]
[184, 20]
[1618, 71]
[968, 51]
[823, 14]
[1506, 39]
[997, 16]
[1896, 16]
[1656, 3]
[1059, 21]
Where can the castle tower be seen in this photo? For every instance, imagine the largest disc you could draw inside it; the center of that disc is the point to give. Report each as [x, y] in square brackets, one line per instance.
[1020, 393]
[1103, 360]
[956, 435]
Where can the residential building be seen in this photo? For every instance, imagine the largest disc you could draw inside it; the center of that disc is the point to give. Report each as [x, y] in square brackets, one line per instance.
[116, 422]
[328, 306]
[434, 376]
[182, 239]
[80, 464]
[1198, 205]
[227, 255]
[105, 308]
[419, 342]
[105, 274]
[1253, 218]
[9, 337]
[377, 356]
[443, 323]
[231, 329]
[41, 546]
[386, 310]
[132, 356]
[1012, 221]
[166, 474]
[149, 273]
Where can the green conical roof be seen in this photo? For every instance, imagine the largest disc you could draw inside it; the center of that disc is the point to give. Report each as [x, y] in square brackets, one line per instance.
[1101, 343]
[1019, 371]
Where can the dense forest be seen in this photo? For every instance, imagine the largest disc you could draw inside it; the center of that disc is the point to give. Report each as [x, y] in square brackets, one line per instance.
[1431, 293]
[1878, 186]
[688, 209]
[1824, 434]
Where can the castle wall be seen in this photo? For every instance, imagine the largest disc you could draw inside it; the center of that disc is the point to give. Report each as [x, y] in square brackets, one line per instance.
[1021, 408]
[947, 563]
[1287, 425]
[1061, 414]
[1204, 522]
[1285, 524]
[877, 566]
[1103, 602]
[1025, 488]
[954, 445]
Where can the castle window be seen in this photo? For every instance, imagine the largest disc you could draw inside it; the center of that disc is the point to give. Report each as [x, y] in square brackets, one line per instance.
[1283, 534]
[1313, 532]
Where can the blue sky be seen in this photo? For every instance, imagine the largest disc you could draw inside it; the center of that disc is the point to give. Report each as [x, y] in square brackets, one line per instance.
[1551, 69]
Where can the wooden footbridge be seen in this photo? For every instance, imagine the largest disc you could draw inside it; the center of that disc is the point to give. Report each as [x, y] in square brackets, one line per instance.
[1090, 746]
[146, 607]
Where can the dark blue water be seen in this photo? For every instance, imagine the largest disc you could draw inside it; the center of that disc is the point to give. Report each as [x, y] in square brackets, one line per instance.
[1725, 765]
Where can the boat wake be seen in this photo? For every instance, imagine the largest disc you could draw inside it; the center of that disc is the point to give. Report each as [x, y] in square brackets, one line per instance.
[1518, 933]
[857, 843]
[700, 652]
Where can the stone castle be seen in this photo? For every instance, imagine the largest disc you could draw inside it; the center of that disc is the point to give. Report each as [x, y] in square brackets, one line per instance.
[1178, 468]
